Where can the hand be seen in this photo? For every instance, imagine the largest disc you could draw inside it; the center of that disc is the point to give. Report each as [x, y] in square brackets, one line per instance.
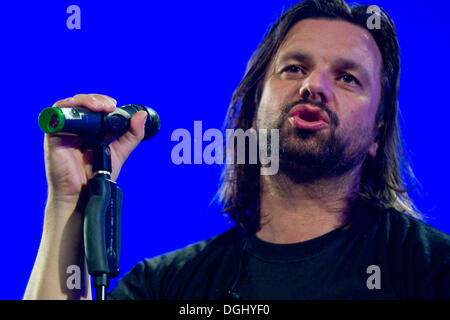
[68, 162]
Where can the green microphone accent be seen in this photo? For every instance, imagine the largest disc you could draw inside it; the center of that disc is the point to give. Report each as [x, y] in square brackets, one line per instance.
[51, 120]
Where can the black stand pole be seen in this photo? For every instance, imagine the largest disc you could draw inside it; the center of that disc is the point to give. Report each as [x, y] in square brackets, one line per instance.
[102, 222]
[101, 283]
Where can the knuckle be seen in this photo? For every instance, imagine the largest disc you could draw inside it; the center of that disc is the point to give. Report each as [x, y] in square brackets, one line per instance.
[104, 102]
[95, 102]
[79, 96]
[130, 138]
[91, 102]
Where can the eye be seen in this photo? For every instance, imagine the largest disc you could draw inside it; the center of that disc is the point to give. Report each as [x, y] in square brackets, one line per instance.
[293, 69]
[348, 78]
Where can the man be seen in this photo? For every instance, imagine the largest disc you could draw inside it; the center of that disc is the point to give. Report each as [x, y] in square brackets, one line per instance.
[334, 223]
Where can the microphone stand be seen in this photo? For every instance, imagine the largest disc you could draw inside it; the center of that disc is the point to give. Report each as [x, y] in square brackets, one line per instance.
[102, 222]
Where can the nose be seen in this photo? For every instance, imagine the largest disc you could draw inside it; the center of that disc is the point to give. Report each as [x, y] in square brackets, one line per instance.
[316, 88]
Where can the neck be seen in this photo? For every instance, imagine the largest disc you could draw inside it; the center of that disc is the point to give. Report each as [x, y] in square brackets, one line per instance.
[293, 211]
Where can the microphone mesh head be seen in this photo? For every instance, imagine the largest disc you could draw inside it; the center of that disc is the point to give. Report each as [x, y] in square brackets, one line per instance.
[152, 124]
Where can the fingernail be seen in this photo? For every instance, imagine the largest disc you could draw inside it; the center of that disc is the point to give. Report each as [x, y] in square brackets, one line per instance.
[112, 104]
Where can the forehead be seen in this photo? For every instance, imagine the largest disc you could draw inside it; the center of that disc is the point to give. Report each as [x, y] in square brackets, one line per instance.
[333, 39]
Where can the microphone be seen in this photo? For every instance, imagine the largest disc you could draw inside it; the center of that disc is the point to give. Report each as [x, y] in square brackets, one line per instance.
[102, 211]
[97, 126]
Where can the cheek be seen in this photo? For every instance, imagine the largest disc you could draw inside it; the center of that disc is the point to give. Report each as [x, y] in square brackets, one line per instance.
[278, 92]
[357, 117]
[274, 98]
[270, 94]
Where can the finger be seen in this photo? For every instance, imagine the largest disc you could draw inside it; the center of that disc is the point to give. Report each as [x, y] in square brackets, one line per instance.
[95, 102]
[123, 146]
[64, 103]
[109, 100]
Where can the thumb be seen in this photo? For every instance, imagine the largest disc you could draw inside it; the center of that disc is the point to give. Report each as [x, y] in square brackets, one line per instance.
[130, 140]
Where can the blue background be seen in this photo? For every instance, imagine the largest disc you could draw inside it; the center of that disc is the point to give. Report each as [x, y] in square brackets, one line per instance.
[184, 59]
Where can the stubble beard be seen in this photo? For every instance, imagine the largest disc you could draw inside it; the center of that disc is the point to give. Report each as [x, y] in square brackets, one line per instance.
[306, 156]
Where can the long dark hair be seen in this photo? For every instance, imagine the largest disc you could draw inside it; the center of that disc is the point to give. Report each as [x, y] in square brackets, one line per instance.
[384, 178]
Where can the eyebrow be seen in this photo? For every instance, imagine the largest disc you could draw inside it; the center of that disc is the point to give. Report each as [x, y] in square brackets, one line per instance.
[296, 55]
[341, 63]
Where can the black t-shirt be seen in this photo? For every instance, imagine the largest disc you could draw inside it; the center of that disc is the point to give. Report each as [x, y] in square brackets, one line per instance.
[380, 254]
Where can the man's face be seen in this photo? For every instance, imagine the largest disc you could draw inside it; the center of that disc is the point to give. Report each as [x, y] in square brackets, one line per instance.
[322, 90]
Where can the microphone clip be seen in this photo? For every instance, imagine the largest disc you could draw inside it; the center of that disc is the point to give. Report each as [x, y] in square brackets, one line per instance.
[102, 216]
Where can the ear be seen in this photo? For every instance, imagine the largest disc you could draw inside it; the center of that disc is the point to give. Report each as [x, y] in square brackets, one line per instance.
[373, 150]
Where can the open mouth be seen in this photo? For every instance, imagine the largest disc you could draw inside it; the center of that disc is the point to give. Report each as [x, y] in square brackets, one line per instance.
[310, 117]
[305, 117]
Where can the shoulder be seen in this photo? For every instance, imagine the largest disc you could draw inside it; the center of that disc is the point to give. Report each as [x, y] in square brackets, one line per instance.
[151, 277]
[418, 252]
[408, 229]
[178, 259]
